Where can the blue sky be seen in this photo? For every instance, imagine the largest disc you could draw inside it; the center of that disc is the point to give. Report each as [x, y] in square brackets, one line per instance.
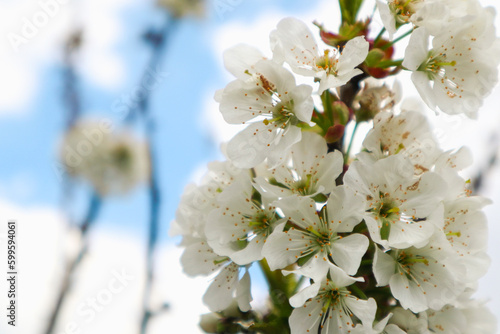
[29, 148]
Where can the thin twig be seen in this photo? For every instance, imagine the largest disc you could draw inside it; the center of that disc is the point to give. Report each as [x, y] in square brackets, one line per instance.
[93, 210]
[71, 95]
[347, 94]
[72, 105]
[159, 42]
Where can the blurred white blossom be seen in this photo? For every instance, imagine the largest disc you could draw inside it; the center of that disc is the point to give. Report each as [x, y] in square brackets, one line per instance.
[113, 162]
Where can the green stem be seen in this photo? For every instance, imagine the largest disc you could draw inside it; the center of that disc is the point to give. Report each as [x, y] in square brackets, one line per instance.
[367, 262]
[394, 41]
[379, 36]
[327, 105]
[346, 157]
[358, 291]
[277, 282]
[280, 290]
[390, 63]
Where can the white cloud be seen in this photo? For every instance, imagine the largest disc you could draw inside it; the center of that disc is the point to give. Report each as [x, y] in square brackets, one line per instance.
[112, 253]
[41, 245]
[44, 243]
[106, 296]
[35, 32]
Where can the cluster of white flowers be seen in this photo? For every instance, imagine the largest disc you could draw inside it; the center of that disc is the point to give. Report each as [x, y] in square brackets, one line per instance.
[461, 67]
[387, 241]
[112, 162]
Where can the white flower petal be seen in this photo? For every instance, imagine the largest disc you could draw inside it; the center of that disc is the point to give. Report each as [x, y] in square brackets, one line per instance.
[300, 298]
[408, 293]
[252, 145]
[198, 259]
[219, 294]
[417, 50]
[384, 267]
[423, 85]
[348, 251]
[243, 294]
[240, 59]
[305, 319]
[345, 209]
[353, 54]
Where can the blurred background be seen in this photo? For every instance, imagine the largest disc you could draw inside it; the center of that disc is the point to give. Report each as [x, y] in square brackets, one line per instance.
[62, 60]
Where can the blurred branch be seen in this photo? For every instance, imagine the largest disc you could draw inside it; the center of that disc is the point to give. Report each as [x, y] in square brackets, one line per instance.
[158, 41]
[71, 103]
[93, 211]
[70, 94]
[478, 181]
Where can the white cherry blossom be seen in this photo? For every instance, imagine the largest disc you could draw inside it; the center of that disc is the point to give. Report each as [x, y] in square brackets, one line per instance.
[395, 13]
[198, 200]
[112, 162]
[309, 170]
[431, 14]
[226, 287]
[465, 224]
[199, 259]
[419, 278]
[401, 210]
[437, 14]
[327, 306]
[448, 166]
[274, 104]
[240, 226]
[332, 67]
[408, 134]
[466, 229]
[400, 216]
[375, 98]
[472, 317]
[313, 236]
[459, 70]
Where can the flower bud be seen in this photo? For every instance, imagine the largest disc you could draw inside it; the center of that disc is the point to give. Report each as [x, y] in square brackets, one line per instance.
[335, 133]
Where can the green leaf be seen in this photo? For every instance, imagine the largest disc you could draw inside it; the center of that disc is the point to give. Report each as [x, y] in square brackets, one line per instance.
[320, 198]
[303, 260]
[374, 57]
[349, 10]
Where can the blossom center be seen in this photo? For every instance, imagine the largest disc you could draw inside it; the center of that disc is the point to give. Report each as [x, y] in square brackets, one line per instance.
[403, 9]
[386, 211]
[407, 261]
[434, 66]
[261, 221]
[327, 63]
[331, 295]
[304, 187]
[121, 155]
